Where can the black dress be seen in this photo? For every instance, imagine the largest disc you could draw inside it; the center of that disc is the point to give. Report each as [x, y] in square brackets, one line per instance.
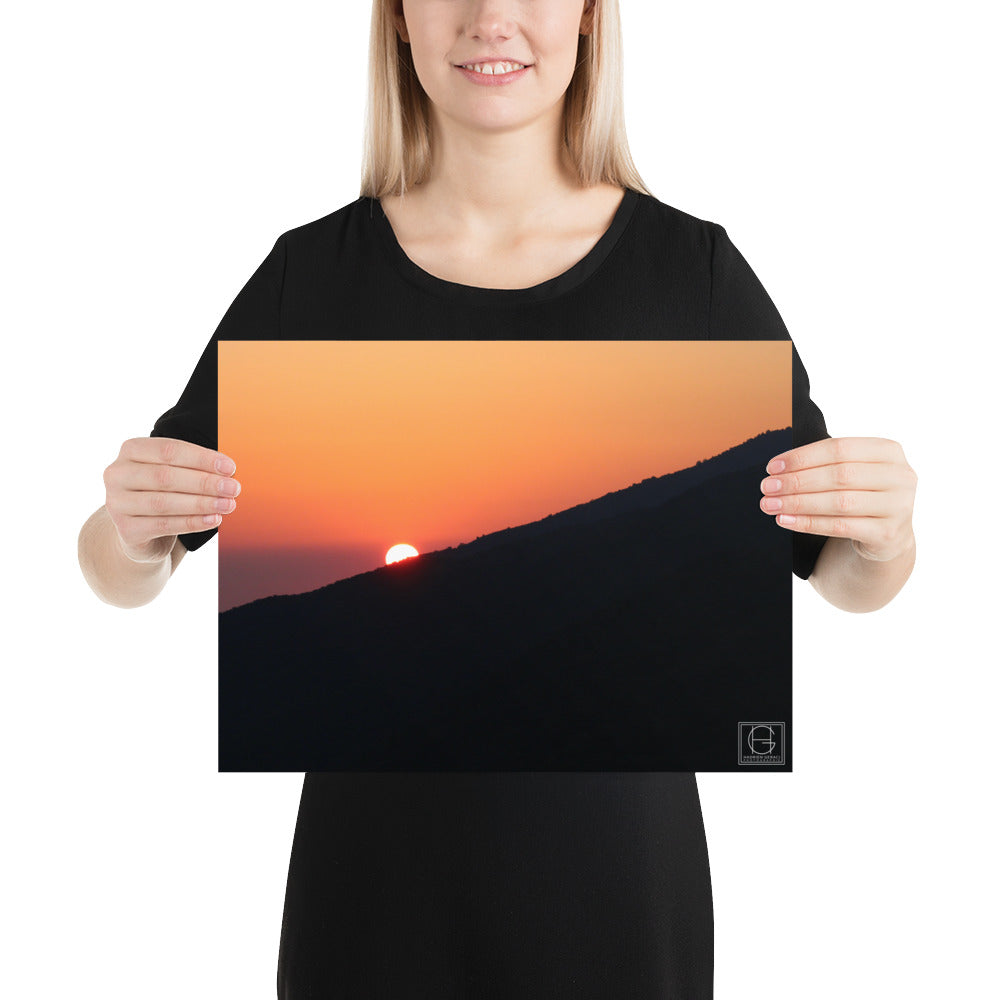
[512, 885]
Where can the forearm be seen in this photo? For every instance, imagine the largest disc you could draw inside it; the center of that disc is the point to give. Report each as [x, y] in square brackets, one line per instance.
[113, 576]
[852, 583]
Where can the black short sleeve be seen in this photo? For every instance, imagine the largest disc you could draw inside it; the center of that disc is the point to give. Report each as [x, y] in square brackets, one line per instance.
[741, 309]
[255, 314]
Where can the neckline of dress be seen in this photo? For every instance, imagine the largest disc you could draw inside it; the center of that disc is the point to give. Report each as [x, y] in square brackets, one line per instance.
[569, 279]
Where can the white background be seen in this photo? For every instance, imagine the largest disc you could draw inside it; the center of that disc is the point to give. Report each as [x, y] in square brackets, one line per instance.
[155, 152]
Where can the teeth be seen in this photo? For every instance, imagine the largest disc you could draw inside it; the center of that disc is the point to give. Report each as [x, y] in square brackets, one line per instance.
[495, 69]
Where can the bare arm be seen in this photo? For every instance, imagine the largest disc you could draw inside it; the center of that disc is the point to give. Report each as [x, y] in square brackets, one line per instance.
[115, 577]
[852, 583]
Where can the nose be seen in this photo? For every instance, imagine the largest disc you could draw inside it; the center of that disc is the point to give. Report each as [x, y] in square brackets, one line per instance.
[490, 19]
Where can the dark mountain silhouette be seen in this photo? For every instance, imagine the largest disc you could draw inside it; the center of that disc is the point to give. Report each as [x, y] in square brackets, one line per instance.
[649, 493]
[633, 632]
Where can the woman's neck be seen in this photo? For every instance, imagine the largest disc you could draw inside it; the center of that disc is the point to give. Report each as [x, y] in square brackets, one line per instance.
[490, 184]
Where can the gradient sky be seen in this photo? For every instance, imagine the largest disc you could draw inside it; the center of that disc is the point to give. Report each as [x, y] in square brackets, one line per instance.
[344, 448]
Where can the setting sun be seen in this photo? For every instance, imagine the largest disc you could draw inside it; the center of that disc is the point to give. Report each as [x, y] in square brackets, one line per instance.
[398, 552]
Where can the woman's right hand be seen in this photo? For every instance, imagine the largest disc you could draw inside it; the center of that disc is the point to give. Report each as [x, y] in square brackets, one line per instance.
[159, 488]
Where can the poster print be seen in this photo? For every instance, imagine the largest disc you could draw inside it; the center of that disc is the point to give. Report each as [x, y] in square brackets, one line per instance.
[504, 555]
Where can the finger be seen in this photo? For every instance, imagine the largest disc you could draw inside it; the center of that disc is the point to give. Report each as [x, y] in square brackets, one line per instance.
[135, 531]
[140, 476]
[882, 538]
[153, 503]
[842, 503]
[173, 451]
[831, 451]
[866, 530]
[845, 476]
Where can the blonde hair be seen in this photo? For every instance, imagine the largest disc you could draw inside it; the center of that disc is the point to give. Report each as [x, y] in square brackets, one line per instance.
[397, 140]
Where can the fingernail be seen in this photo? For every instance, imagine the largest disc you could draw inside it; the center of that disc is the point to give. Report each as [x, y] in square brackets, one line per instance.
[229, 487]
[786, 519]
[775, 466]
[772, 503]
[771, 485]
[225, 466]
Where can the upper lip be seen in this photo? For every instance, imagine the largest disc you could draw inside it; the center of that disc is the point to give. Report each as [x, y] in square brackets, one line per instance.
[492, 59]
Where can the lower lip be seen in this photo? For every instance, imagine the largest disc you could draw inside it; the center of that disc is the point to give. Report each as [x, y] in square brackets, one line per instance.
[485, 80]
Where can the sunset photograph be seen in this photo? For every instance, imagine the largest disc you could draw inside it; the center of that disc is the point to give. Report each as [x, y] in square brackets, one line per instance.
[501, 555]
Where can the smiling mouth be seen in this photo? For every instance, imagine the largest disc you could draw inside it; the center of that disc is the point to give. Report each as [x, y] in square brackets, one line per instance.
[494, 68]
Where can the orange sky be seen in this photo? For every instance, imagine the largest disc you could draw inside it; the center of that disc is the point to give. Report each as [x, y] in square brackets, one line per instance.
[369, 443]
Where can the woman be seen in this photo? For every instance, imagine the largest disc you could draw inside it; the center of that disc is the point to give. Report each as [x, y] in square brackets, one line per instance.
[501, 205]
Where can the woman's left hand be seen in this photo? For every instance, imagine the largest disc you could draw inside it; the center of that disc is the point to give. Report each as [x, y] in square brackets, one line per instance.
[851, 487]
